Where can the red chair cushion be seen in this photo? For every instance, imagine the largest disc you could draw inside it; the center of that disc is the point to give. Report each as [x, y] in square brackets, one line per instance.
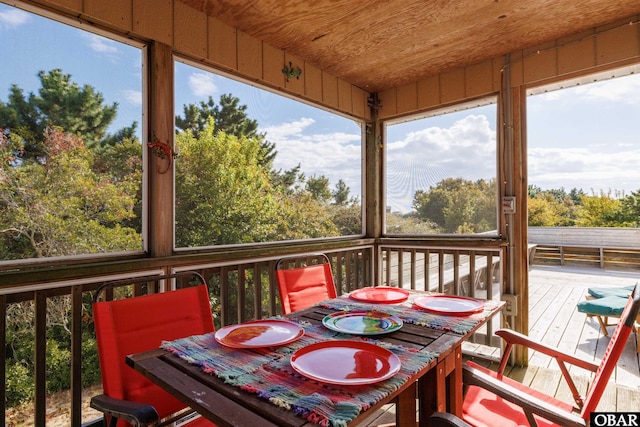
[133, 325]
[302, 287]
[482, 408]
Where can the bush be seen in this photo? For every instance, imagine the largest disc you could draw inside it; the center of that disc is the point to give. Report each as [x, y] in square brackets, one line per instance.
[90, 362]
[20, 384]
[58, 367]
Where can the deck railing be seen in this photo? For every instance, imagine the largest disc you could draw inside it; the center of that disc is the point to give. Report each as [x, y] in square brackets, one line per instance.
[588, 256]
[241, 289]
[466, 272]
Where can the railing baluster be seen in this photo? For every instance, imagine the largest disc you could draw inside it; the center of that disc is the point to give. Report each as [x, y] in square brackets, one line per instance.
[40, 380]
[76, 355]
[241, 294]
[472, 274]
[413, 269]
[224, 296]
[3, 354]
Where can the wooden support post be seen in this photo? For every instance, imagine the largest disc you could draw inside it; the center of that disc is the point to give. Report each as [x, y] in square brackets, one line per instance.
[160, 173]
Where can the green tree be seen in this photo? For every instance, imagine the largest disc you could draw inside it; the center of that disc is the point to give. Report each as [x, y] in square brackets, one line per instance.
[223, 195]
[458, 206]
[545, 211]
[602, 210]
[229, 117]
[318, 187]
[341, 194]
[631, 209]
[43, 213]
[61, 103]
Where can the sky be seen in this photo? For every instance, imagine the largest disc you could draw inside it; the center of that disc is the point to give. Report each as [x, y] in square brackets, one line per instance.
[583, 137]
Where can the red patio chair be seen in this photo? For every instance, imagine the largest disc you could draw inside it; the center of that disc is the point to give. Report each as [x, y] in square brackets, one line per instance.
[301, 287]
[137, 324]
[492, 399]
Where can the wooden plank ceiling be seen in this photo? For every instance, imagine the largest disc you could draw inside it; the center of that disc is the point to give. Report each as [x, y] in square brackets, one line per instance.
[381, 44]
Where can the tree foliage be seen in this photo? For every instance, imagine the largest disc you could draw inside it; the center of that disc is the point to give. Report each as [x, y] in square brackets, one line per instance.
[223, 194]
[75, 110]
[230, 117]
[460, 206]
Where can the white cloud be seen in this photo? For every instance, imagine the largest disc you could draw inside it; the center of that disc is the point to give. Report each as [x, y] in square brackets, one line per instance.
[133, 97]
[588, 169]
[614, 90]
[422, 158]
[13, 18]
[466, 149]
[102, 46]
[335, 155]
[202, 84]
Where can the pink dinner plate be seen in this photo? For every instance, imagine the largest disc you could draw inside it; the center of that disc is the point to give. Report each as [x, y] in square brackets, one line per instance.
[345, 362]
[259, 333]
[450, 305]
[380, 294]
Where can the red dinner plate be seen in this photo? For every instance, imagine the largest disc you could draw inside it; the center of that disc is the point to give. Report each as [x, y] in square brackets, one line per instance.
[259, 333]
[380, 294]
[449, 305]
[345, 362]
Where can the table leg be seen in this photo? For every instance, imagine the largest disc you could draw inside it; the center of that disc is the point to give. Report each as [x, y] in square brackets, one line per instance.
[454, 382]
[406, 406]
[440, 389]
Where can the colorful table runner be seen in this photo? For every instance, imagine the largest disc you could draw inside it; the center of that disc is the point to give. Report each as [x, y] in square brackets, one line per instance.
[410, 314]
[268, 373]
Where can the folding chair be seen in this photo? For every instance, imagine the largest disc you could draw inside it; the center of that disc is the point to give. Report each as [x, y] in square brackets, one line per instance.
[132, 325]
[495, 400]
[604, 303]
[302, 286]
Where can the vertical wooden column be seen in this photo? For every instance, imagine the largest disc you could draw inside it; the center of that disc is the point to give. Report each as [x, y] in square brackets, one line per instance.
[373, 189]
[519, 246]
[513, 182]
[160, 173]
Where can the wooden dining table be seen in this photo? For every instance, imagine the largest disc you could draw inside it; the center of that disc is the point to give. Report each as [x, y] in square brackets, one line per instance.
[431, 345]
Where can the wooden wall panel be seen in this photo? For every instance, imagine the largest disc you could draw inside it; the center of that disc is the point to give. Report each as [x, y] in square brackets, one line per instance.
[295, 85]
[249, 56]
[344, 96]
[273, 61]
[540, 62]
[313, 81]
[452, 86]
[150, 20]
[429, 92]
[577, 53]
[190, 30]
[516, 69]
[329, 90]
[222, 44]
[388, 103]
[617, 43]
[479, 79]
[117, 13]
[359, 102]
[407, 98]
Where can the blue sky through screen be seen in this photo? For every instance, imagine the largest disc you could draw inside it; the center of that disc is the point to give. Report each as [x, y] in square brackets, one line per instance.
[584, 137]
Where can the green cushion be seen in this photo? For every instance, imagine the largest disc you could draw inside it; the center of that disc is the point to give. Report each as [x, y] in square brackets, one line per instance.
[623, 292]
[607, 306]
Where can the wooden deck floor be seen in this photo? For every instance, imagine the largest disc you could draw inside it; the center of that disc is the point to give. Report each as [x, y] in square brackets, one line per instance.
[554, 320]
